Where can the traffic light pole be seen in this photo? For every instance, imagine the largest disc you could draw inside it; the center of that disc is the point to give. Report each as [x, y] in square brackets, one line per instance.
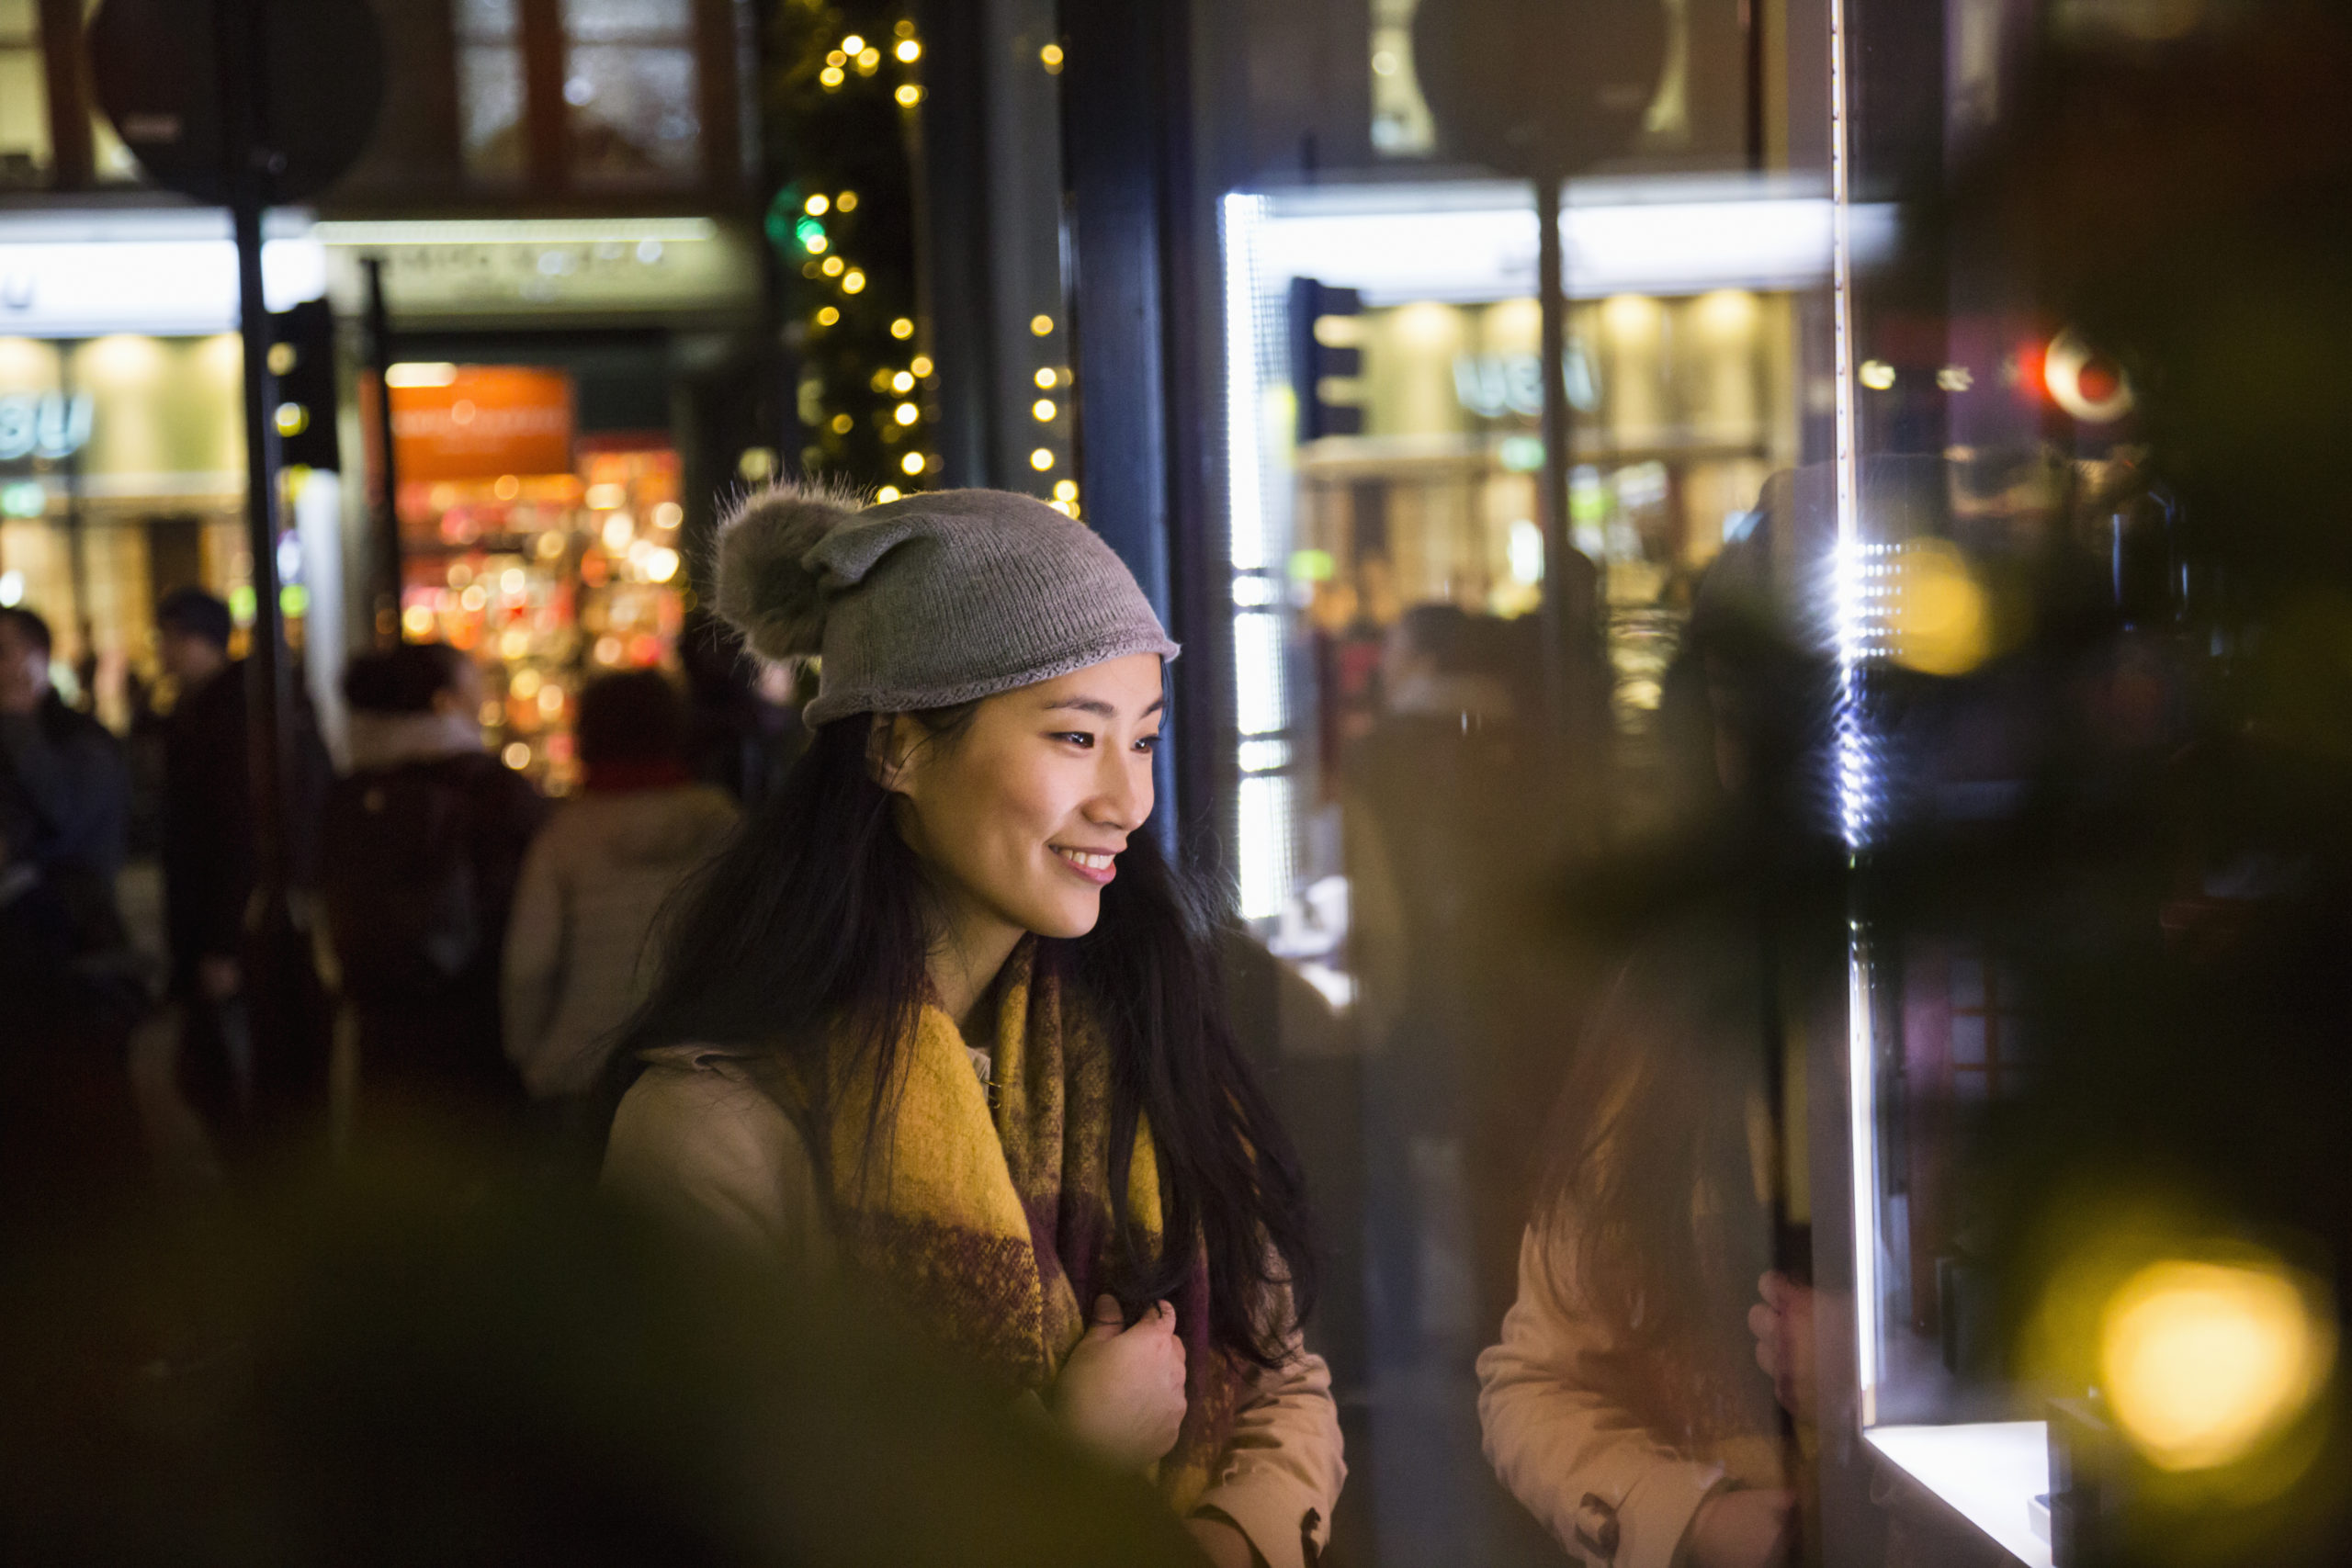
[389, 632]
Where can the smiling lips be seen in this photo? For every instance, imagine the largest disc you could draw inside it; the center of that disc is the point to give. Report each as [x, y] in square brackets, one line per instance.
[1096, 866]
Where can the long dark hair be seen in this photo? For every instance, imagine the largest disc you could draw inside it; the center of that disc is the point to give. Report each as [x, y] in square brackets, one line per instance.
[813, 921]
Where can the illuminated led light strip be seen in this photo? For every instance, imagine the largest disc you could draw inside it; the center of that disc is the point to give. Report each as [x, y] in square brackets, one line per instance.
[1853, 782]
[505, 232]
[1244, 484]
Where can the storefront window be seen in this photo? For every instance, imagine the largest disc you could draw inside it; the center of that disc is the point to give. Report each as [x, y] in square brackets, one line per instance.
[551, 557]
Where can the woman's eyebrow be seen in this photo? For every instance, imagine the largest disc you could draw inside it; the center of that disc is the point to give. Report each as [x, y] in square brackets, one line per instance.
[1099, 709]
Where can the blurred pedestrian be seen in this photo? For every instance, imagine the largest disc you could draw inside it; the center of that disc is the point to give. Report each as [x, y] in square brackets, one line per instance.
[743, 725]
[428, 831]
[576, 960]
[65, 793]
[943, 1014]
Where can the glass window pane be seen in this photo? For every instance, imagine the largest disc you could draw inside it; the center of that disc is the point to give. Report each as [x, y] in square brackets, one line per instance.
[490, 78]
[637, 21]
[634, 116]
[483, 21]
[24, 113]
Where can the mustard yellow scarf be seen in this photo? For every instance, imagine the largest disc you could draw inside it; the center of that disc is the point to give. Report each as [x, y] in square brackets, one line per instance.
[991, 1224]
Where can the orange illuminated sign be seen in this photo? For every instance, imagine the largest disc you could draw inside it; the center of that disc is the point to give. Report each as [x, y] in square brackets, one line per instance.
[483, 421]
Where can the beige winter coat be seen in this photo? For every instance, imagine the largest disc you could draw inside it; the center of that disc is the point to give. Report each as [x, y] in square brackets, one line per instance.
[696, 1138]
[576, 958]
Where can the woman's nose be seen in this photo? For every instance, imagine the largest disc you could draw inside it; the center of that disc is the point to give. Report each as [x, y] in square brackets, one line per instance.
[1125, 789]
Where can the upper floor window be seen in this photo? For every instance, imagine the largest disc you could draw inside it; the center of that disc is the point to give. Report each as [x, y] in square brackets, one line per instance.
[632, 93]
[493, 131]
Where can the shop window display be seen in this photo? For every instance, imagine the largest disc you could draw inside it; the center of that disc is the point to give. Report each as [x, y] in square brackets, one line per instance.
[548, 575]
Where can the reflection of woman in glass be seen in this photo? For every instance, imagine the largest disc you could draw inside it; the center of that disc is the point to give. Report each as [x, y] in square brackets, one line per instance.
[1631, 1402]
[943, 1018]
[1623, 1404]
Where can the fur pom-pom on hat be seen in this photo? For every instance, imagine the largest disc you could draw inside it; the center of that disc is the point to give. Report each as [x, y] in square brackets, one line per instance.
[767, 588]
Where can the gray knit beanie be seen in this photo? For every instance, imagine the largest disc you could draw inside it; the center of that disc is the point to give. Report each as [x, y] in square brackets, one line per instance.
[941, 597]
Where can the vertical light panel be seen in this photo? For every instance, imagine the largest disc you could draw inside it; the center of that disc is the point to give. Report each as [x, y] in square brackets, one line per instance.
[1244, 477]
[1853, 781]
[1264, 835]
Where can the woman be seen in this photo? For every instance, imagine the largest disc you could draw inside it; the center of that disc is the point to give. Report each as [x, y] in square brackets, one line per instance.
[576, 957]
[942, 1016]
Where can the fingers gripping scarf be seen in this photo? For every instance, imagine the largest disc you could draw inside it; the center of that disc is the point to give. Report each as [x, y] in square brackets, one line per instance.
[993, 1228]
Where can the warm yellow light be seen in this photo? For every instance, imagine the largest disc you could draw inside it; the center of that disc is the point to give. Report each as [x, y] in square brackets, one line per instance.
[1041, 324]
[490, 713]
[908, 95]
[525, 684]
[909, 50]
[831, 266]
[292, 419]
[832, 76]
[815, 244]
[1052, 56]
[1043, 408]
[1065, 490]
[828, 316]
[835, 57]
[1041, 458]
[852, 281]
[1045, 378]
[817, 206]
[2202, 1361]
[550, 701]
[514, 643]
[911, 462]
[854, 44]
[868, 61]
[417, 620]
[846, 201]
[887, 493]
[906, 413]
[902, 328]
[516, 756]
[920, 364]
[420, 375]
[1064, 507]
[903, 381]
[620, 529]
[661, 563]
[1875, 374]
[1941, 621]
[506, 487]
[842, 424]
[607, 496]
[549, 545]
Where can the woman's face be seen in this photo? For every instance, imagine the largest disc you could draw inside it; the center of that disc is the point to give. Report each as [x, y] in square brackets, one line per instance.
[1021, 817]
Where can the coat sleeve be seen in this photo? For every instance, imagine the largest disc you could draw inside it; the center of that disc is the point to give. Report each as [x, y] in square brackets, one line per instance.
[532, 976]
[699, 1145]
[1281, 1473]
[1583, 1465]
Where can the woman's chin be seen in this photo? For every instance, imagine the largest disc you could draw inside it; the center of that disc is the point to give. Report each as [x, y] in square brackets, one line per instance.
[1067, 918]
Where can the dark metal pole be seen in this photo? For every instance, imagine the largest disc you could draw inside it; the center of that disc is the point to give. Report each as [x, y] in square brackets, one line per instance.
[1561, 581]
[238, 44]
[389, 631]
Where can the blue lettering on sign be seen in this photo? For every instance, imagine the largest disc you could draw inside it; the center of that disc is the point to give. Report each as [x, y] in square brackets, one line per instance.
[1493, 385]
[46, 425]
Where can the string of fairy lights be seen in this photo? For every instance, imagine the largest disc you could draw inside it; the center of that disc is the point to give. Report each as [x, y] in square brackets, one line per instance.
[843, 232]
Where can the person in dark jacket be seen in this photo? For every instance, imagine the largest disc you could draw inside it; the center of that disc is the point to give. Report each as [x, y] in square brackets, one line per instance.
[70, 1149]
[428, 834]
[64, 791]
[208, 825]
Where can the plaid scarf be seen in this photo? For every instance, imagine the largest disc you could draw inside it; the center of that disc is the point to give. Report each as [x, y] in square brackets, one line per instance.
[991, 1225]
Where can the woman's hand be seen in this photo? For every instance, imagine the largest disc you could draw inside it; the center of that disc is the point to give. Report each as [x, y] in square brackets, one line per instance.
[1121, 1394]
[1743, 1530]
[1221, 1542]
[1783, 1324]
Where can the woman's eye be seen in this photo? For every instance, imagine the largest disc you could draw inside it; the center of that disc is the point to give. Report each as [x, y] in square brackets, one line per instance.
[1149, 743]
[1076, 738]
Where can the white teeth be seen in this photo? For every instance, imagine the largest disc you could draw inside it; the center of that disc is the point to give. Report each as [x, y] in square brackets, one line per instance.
[1090, 862]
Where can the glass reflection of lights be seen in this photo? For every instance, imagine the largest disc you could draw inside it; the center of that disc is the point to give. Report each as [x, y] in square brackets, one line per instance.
[2203, 1362]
